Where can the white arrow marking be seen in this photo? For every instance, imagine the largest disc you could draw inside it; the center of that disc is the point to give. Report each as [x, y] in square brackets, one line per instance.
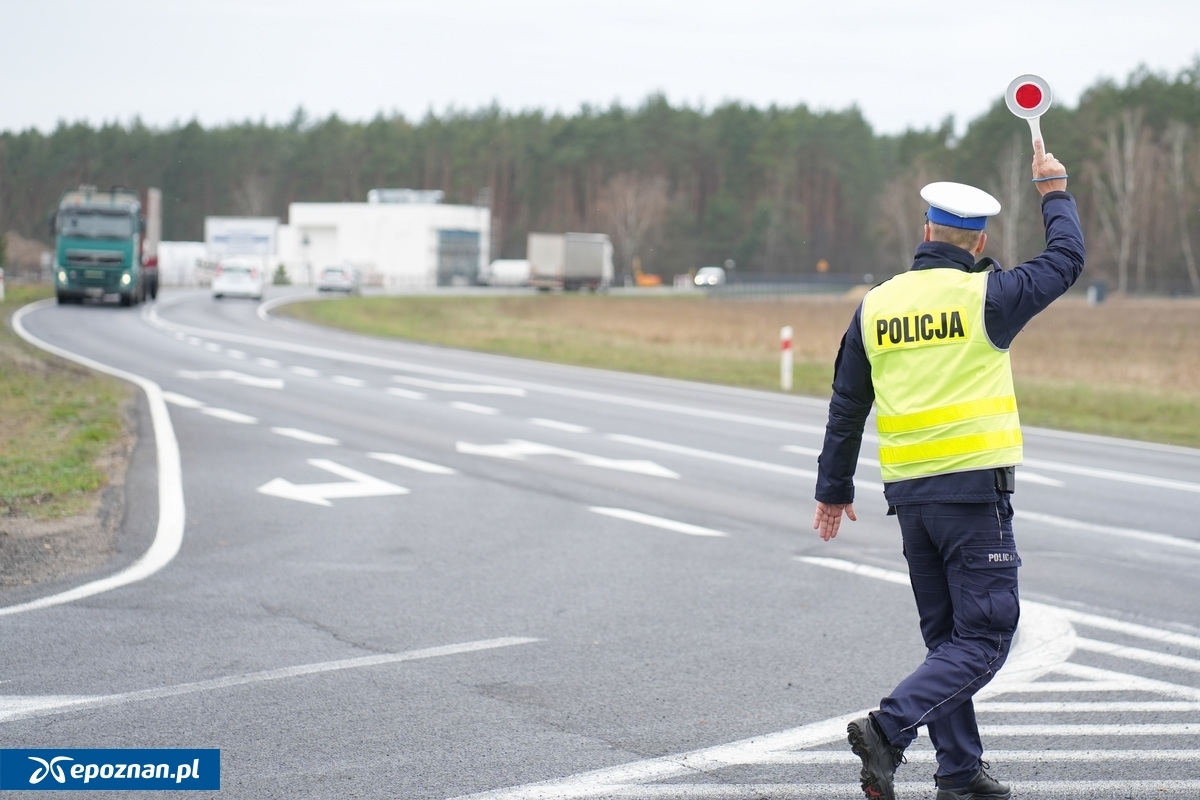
[518, 450]
[473, 388]
[231, 375]
[319, 494]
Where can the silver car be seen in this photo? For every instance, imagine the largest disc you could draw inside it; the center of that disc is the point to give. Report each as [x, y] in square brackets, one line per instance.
[339, 279]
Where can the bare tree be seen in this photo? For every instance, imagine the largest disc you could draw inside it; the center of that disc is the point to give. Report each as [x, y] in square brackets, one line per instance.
[1177, 133]
[252, 196]
[633, 205]
[1012, 187]
[900, 214]
[1118, 188]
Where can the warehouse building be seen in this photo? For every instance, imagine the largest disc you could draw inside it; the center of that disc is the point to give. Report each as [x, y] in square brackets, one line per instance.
[399, 238]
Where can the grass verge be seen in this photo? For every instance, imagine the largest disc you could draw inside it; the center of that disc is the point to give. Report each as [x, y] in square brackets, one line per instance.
[736, 343]
[57, 421]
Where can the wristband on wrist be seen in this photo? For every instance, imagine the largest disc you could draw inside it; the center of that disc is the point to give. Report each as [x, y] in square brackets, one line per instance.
[1051, 178]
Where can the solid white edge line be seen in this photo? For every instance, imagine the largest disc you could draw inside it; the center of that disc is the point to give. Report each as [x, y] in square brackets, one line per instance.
[656, 522]
[168, 537]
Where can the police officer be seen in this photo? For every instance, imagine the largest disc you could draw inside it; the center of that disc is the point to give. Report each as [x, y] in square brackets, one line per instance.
[930, 349]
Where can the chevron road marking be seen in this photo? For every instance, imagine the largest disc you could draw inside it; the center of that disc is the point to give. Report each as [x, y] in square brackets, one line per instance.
[1040, 663]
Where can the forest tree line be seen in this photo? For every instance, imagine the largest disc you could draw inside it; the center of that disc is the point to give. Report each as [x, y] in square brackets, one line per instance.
[777, 190]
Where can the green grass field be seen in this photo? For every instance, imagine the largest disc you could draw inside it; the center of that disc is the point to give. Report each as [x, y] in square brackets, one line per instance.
[1071, 374]
[57, 421]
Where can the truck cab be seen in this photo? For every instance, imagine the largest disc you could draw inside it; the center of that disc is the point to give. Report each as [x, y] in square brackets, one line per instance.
[98, 249]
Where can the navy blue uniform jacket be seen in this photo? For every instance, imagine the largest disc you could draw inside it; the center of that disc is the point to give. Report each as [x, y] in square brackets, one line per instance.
[1013, 298]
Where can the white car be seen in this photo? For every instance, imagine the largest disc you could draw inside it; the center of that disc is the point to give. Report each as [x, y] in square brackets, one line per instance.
[339, 279]
[710, 276]
[234, 278]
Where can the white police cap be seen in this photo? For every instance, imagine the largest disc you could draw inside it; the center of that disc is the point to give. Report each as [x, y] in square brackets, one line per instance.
[958, 205]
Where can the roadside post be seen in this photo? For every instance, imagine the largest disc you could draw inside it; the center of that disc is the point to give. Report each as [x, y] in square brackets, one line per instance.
[785, 358]
[1, 284]
[1028, 97]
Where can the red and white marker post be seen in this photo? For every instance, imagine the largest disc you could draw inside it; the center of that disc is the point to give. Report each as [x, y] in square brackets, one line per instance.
[785, 358]
[1028, 97]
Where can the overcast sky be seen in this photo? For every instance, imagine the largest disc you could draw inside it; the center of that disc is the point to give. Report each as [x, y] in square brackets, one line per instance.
[903, 64]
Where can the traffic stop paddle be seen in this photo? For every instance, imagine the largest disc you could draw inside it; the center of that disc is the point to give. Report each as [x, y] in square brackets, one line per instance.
[1028, 97]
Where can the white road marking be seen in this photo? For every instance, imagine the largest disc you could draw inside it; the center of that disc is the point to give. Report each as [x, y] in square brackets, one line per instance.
[1109, 530]
[407, 394]
[231, 375]
[344, 381]
[519, 450]
[305, 436]
[1114, 475]
[230, 416]
[183, 401]
[471, 388]
[474, 409]
[561, 426]
[267, 362]
[307, 372]
[413, 463]
[1044, 642]
[1138, 654]
[723, 458]
[168, 536]
[237, 355]
[358, 484]
[192, 340]
[656, 522]
[17, 707]
[212, 347]
[1025, 476]
[1100, 707]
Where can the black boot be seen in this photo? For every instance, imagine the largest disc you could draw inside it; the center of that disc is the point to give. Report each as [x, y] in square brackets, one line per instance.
[878, 756]
[981, 787]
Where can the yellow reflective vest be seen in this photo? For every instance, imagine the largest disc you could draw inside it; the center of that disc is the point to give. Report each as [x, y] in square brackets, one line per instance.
[944, 399]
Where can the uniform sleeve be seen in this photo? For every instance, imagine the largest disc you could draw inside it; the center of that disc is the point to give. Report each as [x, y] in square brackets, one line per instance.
[1016, 296]
[853, 395]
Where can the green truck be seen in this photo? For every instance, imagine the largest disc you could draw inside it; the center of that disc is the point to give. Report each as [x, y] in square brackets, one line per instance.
[106, 245]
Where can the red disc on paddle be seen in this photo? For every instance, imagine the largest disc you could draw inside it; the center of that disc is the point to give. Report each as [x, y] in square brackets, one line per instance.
[1028, 96]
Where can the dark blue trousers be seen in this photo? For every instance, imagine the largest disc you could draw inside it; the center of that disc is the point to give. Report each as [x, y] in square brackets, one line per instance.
[962, 561]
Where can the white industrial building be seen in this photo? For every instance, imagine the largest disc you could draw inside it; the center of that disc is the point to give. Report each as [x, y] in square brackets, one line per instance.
[402, 239]
[399, 238]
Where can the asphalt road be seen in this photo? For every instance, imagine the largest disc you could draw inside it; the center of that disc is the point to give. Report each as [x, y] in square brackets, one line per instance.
[374, 569]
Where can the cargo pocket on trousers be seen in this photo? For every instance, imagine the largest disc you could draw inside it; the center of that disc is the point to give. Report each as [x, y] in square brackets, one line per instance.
[989, 591]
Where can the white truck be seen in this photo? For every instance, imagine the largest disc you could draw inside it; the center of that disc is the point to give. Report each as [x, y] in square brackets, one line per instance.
[570, 261]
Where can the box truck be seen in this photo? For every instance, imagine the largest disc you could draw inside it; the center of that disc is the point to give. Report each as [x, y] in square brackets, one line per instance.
[570, 261]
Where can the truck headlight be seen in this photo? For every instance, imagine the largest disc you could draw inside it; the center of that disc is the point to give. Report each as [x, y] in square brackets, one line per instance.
[62, 276]
[125, 279]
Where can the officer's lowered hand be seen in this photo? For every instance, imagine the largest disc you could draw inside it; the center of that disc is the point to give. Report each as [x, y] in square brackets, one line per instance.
[1049, 174]
[829, 517]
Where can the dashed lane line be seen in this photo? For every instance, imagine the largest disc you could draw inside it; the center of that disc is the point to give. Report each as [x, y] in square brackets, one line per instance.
[413, 463]
[229, 416]
[305, 436]
[474, 408]
[656, 522]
